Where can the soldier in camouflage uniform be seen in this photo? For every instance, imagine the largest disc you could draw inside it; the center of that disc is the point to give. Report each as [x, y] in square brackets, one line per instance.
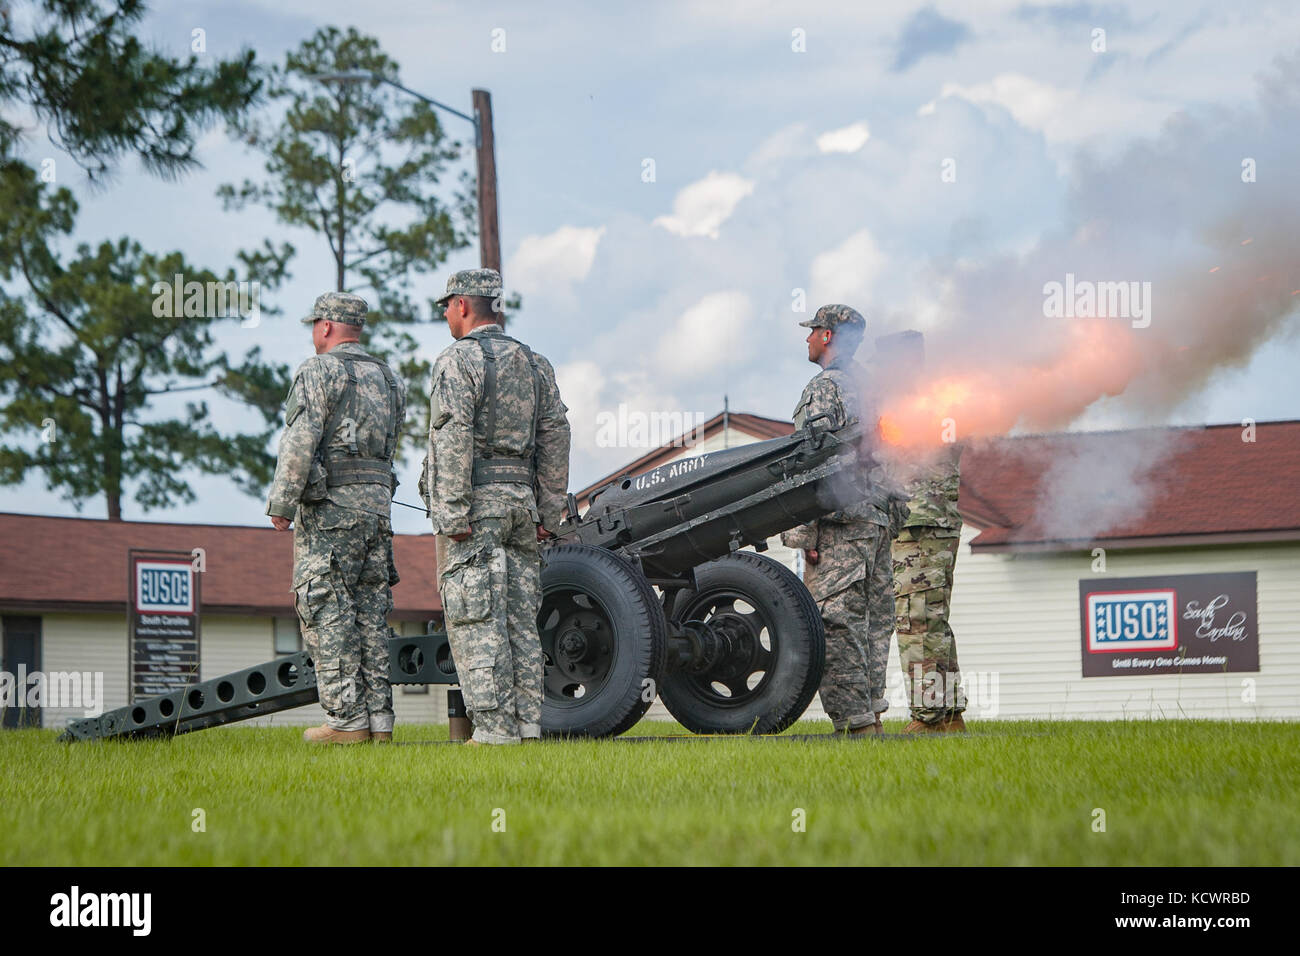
[334, 481]
[924, 555]
[847, 571]
[496, 477]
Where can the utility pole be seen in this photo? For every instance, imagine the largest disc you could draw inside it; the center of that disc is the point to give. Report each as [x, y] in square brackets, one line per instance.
[489, 233]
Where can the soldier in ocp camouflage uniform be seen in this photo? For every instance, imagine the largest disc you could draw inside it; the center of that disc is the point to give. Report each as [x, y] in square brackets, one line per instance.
[848, 571]
[496, 476]
[924, 556]
[334, 481]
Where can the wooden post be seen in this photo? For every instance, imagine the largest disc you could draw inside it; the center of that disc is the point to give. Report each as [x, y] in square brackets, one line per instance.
[489, 236]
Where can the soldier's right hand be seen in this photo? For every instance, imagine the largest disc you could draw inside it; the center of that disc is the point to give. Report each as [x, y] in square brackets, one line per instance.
[281, 524]
[811, 556]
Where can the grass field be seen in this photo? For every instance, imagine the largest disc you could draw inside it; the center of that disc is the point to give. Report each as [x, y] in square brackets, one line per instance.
[1173, 793]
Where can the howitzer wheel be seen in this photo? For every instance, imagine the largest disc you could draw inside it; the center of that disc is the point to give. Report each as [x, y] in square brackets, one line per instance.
[604, 639]
[766, 648]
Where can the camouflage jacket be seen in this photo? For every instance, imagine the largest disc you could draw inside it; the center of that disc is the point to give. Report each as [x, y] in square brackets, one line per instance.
[838, 392]
[458, 430]
[932, 491]
[317, 386]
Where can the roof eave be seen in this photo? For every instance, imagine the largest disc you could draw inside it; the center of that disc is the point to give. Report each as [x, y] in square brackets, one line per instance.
[28, 605]
[1132, 543]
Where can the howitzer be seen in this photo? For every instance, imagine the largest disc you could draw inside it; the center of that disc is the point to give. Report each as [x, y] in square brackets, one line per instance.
[645, 594]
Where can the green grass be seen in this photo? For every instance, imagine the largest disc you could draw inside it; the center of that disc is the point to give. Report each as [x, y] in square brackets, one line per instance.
[1174, 793]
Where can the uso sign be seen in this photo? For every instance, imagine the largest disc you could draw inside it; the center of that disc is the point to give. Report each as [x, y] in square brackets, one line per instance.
[164, 623]
[164, 587]
[1177, 624]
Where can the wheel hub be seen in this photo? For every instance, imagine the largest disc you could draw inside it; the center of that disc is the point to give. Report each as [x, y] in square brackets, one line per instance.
[573, 644]
[738, 651]
[707, 646]
[726, 649]
[577, 651]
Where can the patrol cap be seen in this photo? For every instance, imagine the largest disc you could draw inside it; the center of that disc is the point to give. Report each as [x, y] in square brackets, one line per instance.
[473, 282]
[833, 316]
[339, 307]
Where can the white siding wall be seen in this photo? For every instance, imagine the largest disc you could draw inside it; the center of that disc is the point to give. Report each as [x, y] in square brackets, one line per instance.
[1016, 619]
[233, 643]
[94, 643]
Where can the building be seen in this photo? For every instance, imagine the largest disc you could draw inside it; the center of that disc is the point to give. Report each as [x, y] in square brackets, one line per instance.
[1218, 500]
[64, 587]
[1041, 615]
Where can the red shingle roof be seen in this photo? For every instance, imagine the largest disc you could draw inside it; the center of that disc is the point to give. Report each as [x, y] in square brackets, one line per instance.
[81, 564]
[1203, 485]
[1193, 485]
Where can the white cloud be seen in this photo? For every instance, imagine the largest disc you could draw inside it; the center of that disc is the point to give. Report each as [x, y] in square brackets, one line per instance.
[784, 146]
[1033, 104]
[708, 335]
[593, 391]
[848, 139]
[559, 258]
[1062, 116]
[847, 272]
[703, 206]
[579, 382]
[582, 385]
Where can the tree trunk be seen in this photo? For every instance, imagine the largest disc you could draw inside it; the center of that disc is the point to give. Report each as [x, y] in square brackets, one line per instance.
[110, 447]
[113, 472]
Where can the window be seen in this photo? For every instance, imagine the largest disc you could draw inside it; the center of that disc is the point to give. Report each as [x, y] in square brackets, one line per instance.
[288, 635]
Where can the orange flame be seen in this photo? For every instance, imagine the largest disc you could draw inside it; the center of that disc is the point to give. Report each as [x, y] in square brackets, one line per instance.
[1098, 357]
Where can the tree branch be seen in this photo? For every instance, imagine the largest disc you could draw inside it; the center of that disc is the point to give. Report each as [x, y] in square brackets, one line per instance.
[181, 388]
[43, 298]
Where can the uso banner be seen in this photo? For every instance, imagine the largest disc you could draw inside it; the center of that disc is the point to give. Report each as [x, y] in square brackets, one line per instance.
[1175, 624]
[164, 622]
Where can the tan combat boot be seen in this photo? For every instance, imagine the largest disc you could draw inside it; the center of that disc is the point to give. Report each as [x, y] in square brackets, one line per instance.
[875, 729]
[948, 725]
[381, 736]
[325, 734]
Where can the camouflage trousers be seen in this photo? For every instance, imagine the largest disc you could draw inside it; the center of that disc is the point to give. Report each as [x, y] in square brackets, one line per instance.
[924, 558]
[491, 591]
[853, 585]
[343, 575]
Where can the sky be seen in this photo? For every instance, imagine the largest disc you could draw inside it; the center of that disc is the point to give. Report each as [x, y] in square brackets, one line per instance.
[680, 184]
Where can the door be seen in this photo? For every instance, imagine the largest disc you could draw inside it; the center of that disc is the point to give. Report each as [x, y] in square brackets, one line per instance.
[22, 656]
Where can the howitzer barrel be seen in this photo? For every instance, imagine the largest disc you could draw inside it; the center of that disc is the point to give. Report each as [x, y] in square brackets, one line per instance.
[684, 513]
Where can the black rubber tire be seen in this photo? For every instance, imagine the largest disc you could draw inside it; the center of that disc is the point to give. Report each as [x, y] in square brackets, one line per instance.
[791, 666]
[632, 633]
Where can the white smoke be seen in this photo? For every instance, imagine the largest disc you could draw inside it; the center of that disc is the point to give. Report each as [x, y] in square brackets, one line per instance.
[1205, 213]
